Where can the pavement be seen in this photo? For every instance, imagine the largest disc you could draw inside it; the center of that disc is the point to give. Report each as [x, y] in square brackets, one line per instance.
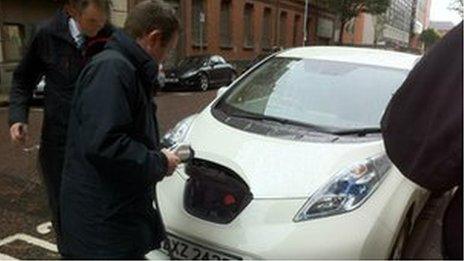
[26, 231]
[4, 100]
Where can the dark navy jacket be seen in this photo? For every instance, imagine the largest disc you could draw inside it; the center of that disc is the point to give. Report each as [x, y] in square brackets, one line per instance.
[52, 53]
[112, 157]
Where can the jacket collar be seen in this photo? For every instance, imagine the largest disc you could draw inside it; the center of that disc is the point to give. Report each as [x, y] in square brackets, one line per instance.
[59, 26]
[136, 55]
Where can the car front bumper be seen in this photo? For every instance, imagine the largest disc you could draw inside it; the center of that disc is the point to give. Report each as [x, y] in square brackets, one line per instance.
[179, 83]
[265, 230]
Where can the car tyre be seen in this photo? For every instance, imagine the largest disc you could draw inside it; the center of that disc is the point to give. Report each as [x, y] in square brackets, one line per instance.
[204, 82]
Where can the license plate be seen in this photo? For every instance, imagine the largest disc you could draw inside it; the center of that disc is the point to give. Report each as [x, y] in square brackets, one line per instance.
[170, 80]
[179, 248]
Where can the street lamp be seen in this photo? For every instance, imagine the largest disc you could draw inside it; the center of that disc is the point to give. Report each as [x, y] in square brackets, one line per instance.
[305, 24]
[202, 21]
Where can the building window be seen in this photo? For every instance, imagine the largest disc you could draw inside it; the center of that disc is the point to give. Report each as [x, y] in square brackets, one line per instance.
[283, 29]
[225, 30]
[266, 37]
[296, 31]
[248, 15]
[13, 41]
[199, 28]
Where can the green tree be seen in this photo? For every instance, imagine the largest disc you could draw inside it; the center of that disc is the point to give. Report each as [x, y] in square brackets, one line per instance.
[429, 37]
[349, 9]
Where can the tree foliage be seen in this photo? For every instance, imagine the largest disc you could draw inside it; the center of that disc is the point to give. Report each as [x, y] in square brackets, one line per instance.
[429, 37]
[349, 9]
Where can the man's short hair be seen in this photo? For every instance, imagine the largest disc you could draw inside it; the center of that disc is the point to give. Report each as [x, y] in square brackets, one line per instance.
[152, 15]
[80, 5]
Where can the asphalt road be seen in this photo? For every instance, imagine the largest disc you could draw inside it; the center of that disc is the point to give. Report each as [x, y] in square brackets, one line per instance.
[24, 216]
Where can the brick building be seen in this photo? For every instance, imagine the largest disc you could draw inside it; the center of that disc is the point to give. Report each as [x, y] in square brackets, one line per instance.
[240, 30]
[420, 22]
[400, 26]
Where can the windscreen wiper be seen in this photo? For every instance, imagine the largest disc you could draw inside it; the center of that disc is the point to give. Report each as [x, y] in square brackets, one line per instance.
[281, 121]
[359, 132]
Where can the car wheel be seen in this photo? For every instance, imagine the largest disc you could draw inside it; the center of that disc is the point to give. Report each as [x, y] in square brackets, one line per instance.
[398, 249]
[204, 82]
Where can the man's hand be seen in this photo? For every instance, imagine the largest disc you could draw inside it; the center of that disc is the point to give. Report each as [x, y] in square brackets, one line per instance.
[18, 132]
[173, 161]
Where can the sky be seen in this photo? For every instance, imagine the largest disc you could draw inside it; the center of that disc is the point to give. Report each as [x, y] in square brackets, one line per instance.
[439, 12]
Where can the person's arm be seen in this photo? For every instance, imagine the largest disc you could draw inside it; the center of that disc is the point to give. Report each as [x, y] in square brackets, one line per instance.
[104, 107]
[25, 79]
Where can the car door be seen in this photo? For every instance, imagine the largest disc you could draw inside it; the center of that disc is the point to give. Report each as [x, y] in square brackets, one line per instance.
[223, 70]
[215, 70]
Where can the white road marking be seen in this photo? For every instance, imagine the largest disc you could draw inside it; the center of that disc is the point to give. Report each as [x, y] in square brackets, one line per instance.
[6, 257]
[34, 109]
[31, 240]
[32, 148]
[184, 94]
[170, 94]
[44, 228]
[156, 255]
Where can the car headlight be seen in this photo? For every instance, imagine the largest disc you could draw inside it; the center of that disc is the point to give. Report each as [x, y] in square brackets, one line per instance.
[348, 190]
[178, 134]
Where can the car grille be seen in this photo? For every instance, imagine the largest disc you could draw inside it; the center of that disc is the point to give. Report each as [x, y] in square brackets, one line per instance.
[214, 192]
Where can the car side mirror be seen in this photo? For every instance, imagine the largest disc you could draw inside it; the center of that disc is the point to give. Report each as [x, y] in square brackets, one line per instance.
[221, 91]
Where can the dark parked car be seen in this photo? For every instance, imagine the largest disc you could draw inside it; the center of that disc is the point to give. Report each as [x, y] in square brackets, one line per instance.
[259, 58]
[200, 73]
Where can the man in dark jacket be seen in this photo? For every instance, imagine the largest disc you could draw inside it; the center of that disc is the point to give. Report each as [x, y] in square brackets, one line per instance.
[58, 52]
[422, 129]
[113, 157]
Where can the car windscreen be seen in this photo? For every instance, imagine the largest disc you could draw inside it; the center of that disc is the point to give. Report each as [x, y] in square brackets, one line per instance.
[192, 62]
[335, 95]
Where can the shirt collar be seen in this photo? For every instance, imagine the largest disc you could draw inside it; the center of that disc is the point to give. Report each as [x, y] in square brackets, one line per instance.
[75, 32]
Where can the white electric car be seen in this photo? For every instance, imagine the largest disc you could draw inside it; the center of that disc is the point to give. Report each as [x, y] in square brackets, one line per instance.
[290, 164]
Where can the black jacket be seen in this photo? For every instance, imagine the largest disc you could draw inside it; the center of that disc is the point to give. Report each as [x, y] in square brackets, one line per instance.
[422, 129]
[52, 53]
[112, 157]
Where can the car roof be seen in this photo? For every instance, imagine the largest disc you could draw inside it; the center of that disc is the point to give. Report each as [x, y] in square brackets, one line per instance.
[202, 56]
[197, 56]
[365, 56]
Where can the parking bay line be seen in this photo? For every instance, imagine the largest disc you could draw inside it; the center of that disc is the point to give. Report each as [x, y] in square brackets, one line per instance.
[34, 109]
[44, 228]
[6, 257]
[31, 240]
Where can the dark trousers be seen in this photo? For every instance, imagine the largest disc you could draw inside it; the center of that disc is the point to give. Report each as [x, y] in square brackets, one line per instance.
[51, 160]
